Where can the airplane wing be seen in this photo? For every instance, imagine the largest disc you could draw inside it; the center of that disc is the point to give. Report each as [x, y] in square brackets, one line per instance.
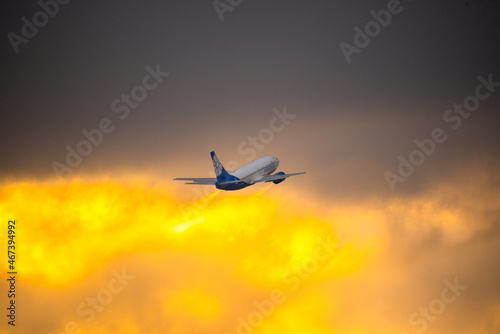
[199, 180]
[269, 178]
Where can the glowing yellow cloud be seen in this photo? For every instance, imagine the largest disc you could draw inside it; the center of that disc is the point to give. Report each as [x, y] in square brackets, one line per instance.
[211, 260]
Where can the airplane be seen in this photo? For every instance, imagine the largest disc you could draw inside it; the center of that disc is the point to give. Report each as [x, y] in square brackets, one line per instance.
[256, 171]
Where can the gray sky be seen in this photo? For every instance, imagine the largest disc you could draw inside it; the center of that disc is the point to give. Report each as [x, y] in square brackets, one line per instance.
[227, 76]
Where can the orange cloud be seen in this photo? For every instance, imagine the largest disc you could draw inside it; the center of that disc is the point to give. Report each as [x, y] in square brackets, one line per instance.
[229, 262]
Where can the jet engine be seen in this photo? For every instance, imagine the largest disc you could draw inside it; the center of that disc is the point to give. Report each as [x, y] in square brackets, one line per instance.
[279, 180]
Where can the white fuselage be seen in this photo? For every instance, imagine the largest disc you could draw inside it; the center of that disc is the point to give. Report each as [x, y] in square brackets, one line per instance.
[253, 171]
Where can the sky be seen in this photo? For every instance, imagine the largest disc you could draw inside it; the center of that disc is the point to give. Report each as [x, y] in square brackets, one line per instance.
[390, 107]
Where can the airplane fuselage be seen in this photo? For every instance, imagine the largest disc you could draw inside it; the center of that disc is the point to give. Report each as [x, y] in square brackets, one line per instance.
[249, 173]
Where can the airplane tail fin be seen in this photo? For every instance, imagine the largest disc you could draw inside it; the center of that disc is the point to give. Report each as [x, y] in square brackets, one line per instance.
[220, 171]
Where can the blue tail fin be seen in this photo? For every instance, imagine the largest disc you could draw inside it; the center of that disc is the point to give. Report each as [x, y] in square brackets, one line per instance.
[220, 172]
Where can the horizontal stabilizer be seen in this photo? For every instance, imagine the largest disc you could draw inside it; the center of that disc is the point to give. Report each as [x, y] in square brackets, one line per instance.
[199, 180]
